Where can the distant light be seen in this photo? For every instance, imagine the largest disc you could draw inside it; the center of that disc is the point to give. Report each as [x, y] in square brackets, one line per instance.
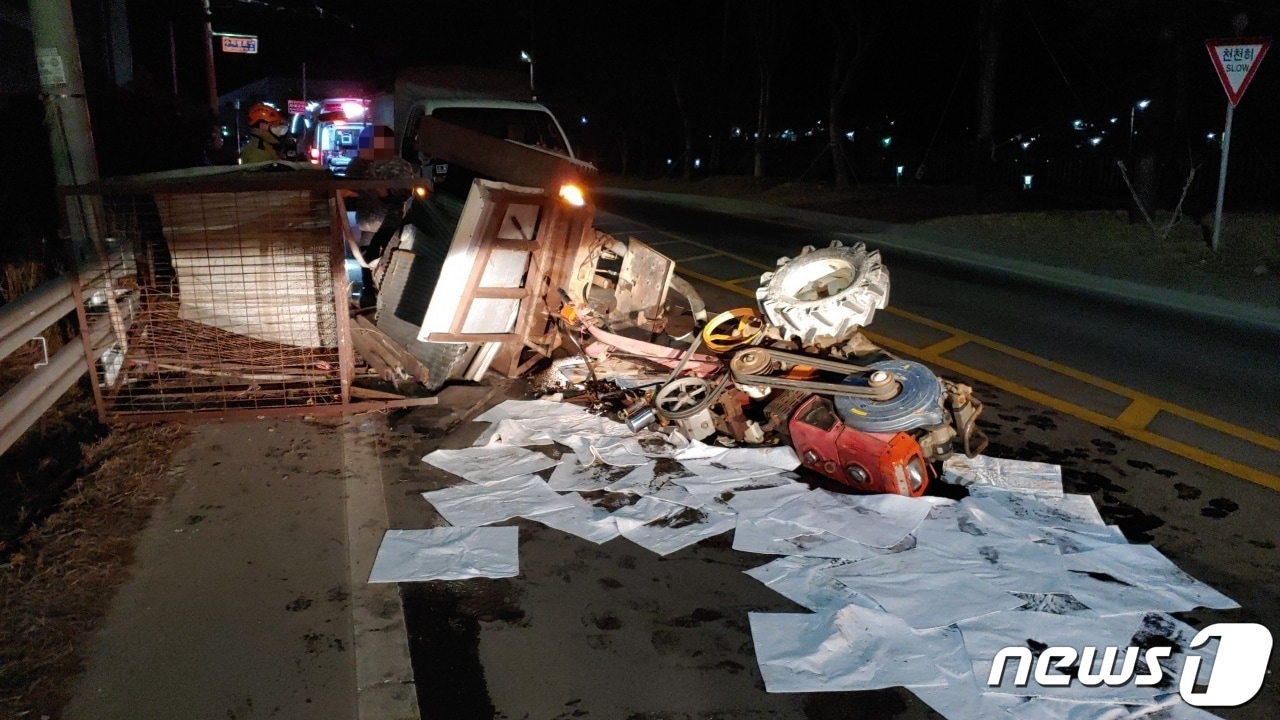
[697, 162]
[1026, 182]
[311, 106]
[1142, 104]
[755, 136]
[668, 161]
[1210, 136]
[1026, 144]
[1095, 141]
[735, 132]
[1113, 120]
[525, 57]
[422, 192]
[572, 194]
[891, 123]
[583, 119]
[1077, 124]
[226, 132]
[849, 135]
[900, 169]
[886, 141]
[352, 110]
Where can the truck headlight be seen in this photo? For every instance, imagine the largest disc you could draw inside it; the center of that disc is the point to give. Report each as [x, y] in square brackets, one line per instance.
[573, 195]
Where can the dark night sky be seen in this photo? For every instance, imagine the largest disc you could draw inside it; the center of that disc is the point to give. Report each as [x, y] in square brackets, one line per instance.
[1059, 60]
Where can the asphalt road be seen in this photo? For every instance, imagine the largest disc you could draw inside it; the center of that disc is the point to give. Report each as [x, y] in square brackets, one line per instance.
[1221, 370]
[613, 631]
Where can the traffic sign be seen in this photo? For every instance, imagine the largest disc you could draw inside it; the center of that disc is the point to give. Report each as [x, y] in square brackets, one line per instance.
[1236, 60]
[297, 107]
[246, 44]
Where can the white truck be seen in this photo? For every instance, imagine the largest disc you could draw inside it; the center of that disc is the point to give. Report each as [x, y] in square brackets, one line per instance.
[494, 103]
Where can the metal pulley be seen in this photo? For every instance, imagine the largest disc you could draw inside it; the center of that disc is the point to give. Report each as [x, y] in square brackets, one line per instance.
[917, 404]
[732, 329]
[685, 397]
[753, 366]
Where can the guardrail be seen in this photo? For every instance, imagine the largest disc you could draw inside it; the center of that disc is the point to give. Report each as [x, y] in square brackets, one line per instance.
[22, 321]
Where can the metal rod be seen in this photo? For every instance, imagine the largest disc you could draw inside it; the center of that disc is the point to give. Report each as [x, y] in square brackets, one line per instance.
[173, 59]
[1222, 177]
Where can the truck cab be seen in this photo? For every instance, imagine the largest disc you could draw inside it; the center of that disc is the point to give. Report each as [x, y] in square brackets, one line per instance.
[493, 103]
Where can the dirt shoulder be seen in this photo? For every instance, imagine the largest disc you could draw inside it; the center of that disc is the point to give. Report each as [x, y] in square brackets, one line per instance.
[1088, 234]
[58, 578]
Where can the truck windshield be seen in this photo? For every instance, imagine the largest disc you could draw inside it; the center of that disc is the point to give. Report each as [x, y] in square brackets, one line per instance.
[531, 127]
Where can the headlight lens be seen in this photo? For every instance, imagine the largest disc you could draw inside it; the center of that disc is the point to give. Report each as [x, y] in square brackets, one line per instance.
[915, 473]
[573, 195]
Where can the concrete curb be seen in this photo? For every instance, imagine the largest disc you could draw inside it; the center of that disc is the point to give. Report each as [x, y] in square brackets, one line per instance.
[917, 243]
[385, 687]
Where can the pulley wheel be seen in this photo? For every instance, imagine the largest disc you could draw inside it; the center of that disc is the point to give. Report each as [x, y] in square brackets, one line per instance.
[683, 397]
[917, 404]
[731, 329]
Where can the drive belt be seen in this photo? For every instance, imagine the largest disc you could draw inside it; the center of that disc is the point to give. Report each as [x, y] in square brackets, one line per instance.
[753, 366]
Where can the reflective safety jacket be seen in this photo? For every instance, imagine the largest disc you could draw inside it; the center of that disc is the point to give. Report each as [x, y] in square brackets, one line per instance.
[262, 146]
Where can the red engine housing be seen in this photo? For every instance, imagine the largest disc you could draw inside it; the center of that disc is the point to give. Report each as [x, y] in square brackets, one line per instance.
[873, 462]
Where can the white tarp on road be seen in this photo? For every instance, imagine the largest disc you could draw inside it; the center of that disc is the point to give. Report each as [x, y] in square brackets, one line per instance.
[446, 553]
[913, 592]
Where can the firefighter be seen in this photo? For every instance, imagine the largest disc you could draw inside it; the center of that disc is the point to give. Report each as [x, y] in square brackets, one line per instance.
[266, 127]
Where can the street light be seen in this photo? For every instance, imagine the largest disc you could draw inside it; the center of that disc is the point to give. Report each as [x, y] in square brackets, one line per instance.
[526, 57]
[1133, 114]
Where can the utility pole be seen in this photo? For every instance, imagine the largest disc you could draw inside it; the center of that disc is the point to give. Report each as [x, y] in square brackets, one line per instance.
[66, 110]
[208, 60]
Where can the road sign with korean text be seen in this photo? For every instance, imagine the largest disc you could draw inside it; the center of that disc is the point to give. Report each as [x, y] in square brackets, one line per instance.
[1236, 60]
[246, 44]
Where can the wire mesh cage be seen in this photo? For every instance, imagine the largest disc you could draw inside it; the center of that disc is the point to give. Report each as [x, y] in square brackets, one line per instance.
[223, 298]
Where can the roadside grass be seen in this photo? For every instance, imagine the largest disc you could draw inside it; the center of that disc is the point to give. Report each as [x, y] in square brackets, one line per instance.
[58, 578]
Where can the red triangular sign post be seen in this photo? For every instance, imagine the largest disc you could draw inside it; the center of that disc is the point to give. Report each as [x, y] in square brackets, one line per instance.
[1236, 60]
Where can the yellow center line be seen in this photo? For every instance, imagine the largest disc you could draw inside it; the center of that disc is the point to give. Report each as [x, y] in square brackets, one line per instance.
[1132, 422]
[1138, 415]
[943, 347]
[1221, 426]
[702, 257]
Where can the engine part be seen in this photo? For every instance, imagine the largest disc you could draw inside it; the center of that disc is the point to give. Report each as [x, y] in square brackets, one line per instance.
[752, 365]
[873, 462]
[918, 403]
[732, 329]
[685, 397]
[965, 409]
[728, 416]
[687, 402]
[782, 407]
[639, 416]
[824, 296]
[698, 426]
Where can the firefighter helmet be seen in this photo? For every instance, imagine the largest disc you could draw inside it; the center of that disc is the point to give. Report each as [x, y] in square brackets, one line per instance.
[263, 112]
